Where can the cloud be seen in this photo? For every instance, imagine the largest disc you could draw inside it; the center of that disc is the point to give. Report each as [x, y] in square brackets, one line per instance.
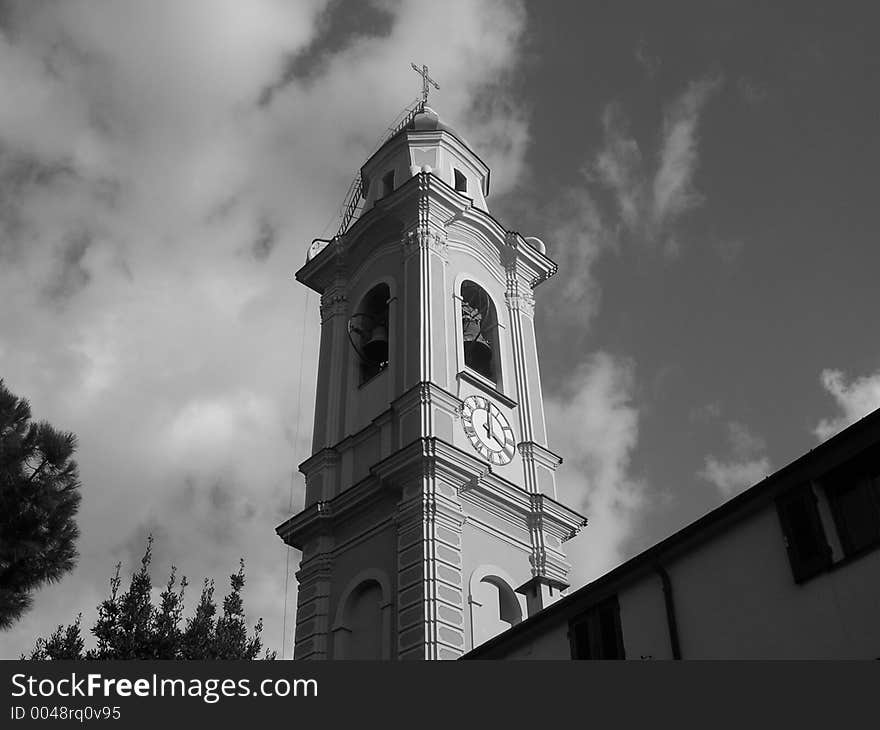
[154, 202]
[618, 166]
[649, 203]
[746, 465]
[673, 184]
[732, 477]
[855, 400]
[577, 232]
[595, 426]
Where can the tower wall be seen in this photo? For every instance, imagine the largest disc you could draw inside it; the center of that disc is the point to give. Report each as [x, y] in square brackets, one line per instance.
[408, 533]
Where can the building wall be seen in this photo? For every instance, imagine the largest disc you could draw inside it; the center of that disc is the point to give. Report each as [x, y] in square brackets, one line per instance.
[643, 614]
[735, 598]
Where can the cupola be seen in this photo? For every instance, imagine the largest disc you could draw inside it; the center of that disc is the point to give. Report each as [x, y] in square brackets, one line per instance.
[425, 144]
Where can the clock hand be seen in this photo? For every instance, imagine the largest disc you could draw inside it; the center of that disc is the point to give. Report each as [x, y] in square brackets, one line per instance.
[490, 424]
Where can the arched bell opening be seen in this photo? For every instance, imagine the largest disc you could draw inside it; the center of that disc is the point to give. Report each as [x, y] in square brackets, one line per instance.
[368, 332]
[479, 327]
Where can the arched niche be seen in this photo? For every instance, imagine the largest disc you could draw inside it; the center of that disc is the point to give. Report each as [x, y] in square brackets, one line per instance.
[494, 605]
[362, 626]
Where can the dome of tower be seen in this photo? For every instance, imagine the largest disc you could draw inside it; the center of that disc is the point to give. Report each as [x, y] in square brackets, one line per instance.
[428, 120]
[423, 143]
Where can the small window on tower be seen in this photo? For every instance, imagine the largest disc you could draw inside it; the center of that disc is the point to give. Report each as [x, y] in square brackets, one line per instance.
[388, 183]
[460, 181]
[479, 327]
[368, 332]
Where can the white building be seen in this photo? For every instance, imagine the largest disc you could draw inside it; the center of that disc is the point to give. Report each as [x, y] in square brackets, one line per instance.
[789, 569]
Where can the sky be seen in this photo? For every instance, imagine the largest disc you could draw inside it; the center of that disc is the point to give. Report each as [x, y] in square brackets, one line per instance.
[703, 173]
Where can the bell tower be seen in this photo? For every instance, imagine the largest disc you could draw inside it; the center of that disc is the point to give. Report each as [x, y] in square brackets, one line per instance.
[430, 520]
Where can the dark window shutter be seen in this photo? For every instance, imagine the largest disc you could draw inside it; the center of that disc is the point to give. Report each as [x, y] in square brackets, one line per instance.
[855, 503]
[808, 549]
[596, 633]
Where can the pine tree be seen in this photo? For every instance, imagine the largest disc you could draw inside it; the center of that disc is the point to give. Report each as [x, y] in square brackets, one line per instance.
[198, 639]
[166, 634]
[63, 644]
[129, 626]
[230, 635]
[39, 497]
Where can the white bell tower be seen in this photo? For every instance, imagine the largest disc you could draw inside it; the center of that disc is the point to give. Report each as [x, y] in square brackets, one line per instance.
[430, 520]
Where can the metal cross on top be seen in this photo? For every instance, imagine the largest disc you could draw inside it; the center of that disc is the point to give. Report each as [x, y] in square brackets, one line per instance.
[426, 80]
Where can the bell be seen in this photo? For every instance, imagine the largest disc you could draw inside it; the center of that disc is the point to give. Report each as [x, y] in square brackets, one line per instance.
[376, 347]
[478, 355]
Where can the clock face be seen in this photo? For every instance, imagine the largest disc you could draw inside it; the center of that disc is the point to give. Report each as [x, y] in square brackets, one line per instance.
[487, 429]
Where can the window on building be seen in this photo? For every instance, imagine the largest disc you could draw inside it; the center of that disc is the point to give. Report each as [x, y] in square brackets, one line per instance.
[460, 181]
[479, 326]
[805, 541]
[596, 633]
[368, 332]
[388, 183]
[854, 494]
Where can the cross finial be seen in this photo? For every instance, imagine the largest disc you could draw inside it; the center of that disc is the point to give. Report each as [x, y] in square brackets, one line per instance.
[427, 82]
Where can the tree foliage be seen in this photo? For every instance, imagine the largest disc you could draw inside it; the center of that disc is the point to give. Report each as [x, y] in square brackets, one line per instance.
[129, 626]
[39, 497]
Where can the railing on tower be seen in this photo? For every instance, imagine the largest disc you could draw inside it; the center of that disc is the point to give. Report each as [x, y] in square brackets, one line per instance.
[351, 207]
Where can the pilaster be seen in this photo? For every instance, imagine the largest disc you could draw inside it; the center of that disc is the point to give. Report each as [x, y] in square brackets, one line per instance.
[313, 607]
[430, 602]
[330, 410]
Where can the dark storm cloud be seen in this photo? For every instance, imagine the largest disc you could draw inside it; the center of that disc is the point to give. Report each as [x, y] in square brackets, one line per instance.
[339, 25]
[265, 242]
[21, 176]
[70, 276]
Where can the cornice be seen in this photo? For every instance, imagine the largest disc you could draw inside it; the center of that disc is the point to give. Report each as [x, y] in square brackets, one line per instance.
[439, 208]
[529, 262]
[486, 386]
[432, 457]
[539, 454]
[326, 457]
[319, 517]
[562, 522]
[424, 392]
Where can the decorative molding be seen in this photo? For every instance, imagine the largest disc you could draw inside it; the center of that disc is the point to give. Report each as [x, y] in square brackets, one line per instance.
[541, 455]
[317, 568]
[334, 301]
[557, 519]
[327, 457]
[486, 386]
[426, 239]
[520, 298]
[519, 256]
